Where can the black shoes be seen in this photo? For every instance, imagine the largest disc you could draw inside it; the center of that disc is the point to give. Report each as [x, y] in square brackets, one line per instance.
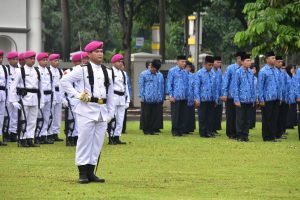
[31, 144]
[23, 143]
[45, 140]
[70, 141]
[56, 138]
[86, 174]
[13, 137]
[117, 140]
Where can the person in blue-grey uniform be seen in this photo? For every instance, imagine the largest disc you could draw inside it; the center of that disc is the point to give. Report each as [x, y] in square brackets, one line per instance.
[148, 62]
[219, 104]
[177, 89]
[205, 97]
[151, 94]
[244, 97]
[227, 96]
[297, 96]
[291, 118]
[284, 106]
[269, 95]
[253, 112]
[191, 121]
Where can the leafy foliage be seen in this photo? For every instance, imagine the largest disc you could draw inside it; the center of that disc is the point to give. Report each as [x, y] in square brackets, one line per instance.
[273, 25]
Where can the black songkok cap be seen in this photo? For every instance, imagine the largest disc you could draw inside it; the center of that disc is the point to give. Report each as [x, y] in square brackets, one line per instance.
[245, 56]
[209, 59]
[181, 57]
[279, 57]
[156, 63]
[268, 54]
[239, 53]
[217, 58]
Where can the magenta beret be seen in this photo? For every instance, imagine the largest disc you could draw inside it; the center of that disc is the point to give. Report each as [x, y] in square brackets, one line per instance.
[85, 55]
[1, 52]
[12, 54]
[76, 57]
[21, 56]
[116, 58]
[41, 56]
[54, 56]
[29, 54]
[92, 46]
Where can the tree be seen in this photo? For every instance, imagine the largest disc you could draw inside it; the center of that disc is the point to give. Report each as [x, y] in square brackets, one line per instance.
[65, 29]
[272, 25]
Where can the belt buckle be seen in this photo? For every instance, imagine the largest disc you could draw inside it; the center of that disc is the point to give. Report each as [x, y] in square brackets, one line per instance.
[100, 101]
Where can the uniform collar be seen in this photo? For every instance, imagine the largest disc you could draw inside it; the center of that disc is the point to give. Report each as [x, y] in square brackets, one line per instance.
[95, 65]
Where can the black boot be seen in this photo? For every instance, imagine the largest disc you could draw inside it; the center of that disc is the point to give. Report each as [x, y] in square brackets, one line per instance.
[6, 137]
[92, 177]
[56, 138]
[118, 141]
[31, 144]
[70, 141]
[23, 143]
[45, 140]
[111, 141]
[83, 178]
[75, 140]
[37, 140]
[3, 143]
[13, 137]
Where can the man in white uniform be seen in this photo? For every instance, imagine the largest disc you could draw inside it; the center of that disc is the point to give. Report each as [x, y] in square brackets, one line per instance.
[31, 96]
[121, 97]
[12, 58]
[93, 112]
[57, 99]
[43, 135]
[3, 94]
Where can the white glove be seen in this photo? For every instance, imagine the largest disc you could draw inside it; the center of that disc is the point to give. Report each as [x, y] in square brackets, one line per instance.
[65, 103]
[16, 105]
[126, 105]
[83, 96]
[42, 106]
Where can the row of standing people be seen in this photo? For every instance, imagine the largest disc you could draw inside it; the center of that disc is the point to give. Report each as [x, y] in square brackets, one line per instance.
[274, 91]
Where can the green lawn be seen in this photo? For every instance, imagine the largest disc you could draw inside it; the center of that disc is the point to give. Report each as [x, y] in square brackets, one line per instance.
[158, 167]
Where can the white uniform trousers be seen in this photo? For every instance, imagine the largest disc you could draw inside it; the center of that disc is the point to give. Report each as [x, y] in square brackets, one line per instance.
[31, 113]
[46, 116]
[90, 140]
[2, 112]
[119, 113]
[13, 114]
[56, 112]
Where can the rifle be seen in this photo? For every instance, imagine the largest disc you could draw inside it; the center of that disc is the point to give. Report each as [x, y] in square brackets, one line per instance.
[6, 122]
[69, 123]
[39, 124]
[22, 123]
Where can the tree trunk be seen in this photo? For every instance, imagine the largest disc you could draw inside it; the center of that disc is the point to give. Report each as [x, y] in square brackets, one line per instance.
[65, 30]
[162, 29]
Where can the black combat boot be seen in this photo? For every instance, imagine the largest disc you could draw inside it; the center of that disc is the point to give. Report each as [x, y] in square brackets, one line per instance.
[31, 144]
[118, 141]
[13, 137]
[92, 177]
[6, 137]
[83, 178]
[70, 141]
[111, 141]
[37, 140]
[56, 138]
[75, 140]
[23, 143]
[45, 140]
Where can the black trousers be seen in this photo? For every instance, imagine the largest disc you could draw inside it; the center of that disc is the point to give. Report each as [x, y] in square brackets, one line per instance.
[298, 121]
[217, 118]
[179, 121]
[282, 118]
[243, 115]
[152, 118]
[252, 119]
[269, 120]
[291, 119]
[230, 119]
[206, 117]
[191, 120]
[124, 122]
[142, 116]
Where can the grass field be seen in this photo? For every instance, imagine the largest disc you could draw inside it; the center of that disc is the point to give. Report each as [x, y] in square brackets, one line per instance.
[158, 167]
